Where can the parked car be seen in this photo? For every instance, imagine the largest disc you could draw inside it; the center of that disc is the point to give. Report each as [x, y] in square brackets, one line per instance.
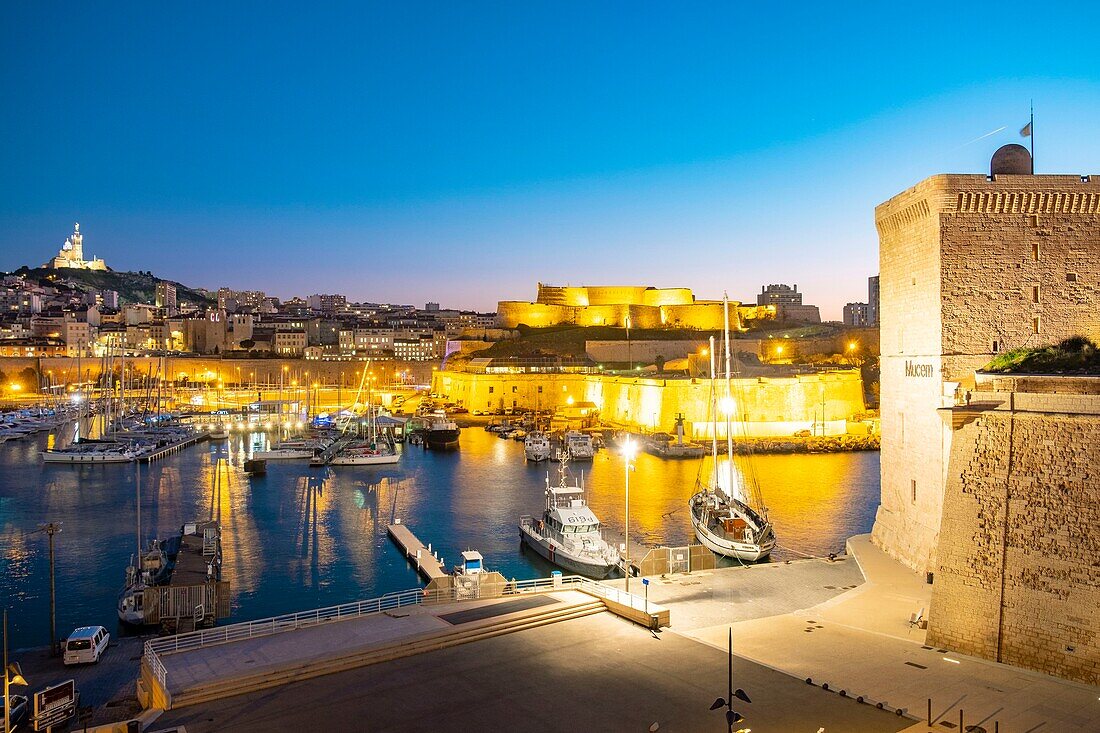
[477, 412]
[20, 712]
[86, 645]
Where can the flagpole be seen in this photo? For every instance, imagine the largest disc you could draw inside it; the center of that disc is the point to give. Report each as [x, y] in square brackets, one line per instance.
[1032, 136]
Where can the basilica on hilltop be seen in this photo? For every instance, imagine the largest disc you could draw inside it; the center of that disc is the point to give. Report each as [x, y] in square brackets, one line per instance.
[71, 255]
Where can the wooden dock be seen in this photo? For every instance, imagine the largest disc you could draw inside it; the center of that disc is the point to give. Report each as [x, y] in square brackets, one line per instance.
[416, 552]
[172, 448]
[195, 594]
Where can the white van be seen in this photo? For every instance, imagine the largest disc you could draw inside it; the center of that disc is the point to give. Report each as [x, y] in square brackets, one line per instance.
[86, 645]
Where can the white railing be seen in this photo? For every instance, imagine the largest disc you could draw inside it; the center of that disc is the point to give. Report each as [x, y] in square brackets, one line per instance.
[199, 639]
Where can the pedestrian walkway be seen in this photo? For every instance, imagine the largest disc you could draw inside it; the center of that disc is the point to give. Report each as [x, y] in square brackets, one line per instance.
[226, 669]
[861, 642]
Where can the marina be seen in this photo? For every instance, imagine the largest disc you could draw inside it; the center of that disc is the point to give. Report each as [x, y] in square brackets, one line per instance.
[281, 530]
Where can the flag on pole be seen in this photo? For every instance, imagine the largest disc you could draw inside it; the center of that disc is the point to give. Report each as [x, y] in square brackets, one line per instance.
[1026, 130]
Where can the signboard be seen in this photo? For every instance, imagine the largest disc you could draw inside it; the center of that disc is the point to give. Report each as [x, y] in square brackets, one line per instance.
[55, 705]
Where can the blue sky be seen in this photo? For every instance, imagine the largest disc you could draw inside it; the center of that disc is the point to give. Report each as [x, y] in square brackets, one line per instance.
[461, 152]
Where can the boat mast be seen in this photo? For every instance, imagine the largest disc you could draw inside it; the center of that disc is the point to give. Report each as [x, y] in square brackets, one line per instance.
[729, 391]
[137, 493]
[713, 415]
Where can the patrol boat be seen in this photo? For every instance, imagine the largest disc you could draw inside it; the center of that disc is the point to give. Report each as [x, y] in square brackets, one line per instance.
[568, 534]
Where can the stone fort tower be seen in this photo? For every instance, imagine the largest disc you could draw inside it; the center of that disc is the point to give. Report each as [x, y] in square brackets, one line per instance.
[970, 265]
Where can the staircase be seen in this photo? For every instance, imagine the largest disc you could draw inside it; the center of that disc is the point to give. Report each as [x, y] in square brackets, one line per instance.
[274, 676]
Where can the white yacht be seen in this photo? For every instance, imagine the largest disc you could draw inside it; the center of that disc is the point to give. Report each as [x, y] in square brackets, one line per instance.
[92, 452]
[579, 446]
[536, 446]
[568, 534]
[724, 519]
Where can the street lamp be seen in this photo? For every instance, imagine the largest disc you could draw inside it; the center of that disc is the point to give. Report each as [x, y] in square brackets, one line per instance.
[52, 528]
[732, 716]
[12, 676]
[629, 449]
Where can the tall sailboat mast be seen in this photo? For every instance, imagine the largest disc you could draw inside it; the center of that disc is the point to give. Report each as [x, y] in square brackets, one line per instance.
[713, 415]
[728, 406]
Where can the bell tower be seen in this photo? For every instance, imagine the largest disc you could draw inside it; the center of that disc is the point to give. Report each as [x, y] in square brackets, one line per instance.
[77, 240]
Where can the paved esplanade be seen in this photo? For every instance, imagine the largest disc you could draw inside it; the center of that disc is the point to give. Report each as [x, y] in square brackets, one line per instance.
[597, 673]
[858, 639]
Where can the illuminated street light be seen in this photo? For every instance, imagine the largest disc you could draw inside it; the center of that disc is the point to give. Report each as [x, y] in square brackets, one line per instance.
[727, 405]
[629, 449]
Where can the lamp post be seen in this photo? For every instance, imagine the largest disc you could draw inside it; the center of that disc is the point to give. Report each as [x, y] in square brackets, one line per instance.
[732, 716]
[52, 528]
[629, 356]
[628, 454]
[12, 676]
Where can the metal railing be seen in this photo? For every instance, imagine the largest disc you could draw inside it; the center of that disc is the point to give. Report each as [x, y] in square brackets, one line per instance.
[199, 639]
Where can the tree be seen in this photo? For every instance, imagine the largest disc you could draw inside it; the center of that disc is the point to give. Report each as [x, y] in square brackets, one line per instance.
[247, 344]
[660, 363]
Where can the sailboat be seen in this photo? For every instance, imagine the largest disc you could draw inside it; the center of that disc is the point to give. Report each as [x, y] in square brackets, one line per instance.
[375, 450]
[725, 520]
[148, 567]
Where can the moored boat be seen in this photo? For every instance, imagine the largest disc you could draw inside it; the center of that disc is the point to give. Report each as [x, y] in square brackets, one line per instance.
[724, 518]
[441, 433]
[568, 534]
[579, 446]
[536, 447]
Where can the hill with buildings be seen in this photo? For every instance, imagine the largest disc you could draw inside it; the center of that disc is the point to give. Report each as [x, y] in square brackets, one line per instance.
[132, 287]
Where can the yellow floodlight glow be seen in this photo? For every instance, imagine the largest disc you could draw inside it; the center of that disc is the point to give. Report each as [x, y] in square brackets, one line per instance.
[569, 400]
[852, 345]
[629, 448]
[727, 405]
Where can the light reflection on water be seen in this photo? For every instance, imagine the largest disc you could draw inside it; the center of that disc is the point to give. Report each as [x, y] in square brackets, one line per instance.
[304, 537]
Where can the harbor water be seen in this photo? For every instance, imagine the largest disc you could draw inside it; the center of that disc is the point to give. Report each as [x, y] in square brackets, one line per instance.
[302, 537]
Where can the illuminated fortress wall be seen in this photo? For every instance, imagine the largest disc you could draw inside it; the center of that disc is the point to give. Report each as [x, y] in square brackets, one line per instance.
[771, 406]
[970, 266]
[612, 305]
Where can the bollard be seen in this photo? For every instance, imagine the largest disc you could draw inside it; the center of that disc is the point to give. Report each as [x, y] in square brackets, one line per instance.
[929, 711]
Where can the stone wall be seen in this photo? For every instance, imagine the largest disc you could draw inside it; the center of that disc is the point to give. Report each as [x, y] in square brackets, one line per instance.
[771, 406]
[969, 266]
[1017, 578]
[202, 369]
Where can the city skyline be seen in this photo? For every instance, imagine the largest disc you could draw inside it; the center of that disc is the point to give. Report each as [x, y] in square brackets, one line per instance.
[403, 156]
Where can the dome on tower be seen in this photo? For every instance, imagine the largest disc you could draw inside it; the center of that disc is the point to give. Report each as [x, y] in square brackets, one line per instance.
[1011, 160]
